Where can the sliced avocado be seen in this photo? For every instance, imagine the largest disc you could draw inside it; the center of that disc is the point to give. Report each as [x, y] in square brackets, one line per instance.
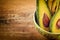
[55, 7]
[59, 4]
[44, 15]
[55, 23]
[49, 3]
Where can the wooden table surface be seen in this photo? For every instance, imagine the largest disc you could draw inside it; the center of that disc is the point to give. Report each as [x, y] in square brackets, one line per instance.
[26, 29]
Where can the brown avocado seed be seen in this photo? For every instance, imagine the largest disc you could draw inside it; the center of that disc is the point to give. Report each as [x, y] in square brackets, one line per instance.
[46, 20]
[58, 23]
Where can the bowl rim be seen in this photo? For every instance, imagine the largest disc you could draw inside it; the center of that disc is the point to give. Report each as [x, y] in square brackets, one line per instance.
[40, 27]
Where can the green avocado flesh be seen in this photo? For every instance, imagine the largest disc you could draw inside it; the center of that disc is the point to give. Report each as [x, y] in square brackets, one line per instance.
[44, 15]
[55, 7]
[55, 23]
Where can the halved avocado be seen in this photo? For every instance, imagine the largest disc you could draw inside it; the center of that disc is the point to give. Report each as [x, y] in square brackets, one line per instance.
[55, 23]
[44, 15]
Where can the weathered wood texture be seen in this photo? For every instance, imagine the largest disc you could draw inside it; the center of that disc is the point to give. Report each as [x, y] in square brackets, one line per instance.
[20, 25]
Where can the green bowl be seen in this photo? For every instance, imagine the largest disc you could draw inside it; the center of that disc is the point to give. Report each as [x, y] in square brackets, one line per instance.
[49, 35]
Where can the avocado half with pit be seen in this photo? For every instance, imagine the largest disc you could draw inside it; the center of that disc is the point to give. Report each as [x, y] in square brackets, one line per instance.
[55, 23]
[44, 15]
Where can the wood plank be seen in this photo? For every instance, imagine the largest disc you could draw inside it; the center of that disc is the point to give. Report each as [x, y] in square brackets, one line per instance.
[24, 29]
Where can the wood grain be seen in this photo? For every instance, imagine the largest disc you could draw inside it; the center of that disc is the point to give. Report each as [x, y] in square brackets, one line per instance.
[24, 29]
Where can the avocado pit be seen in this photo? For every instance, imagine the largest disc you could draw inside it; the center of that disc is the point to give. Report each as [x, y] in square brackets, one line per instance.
[58, 23]
[46, 20]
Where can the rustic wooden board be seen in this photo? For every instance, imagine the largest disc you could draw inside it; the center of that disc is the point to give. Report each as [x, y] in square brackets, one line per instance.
[25, 30]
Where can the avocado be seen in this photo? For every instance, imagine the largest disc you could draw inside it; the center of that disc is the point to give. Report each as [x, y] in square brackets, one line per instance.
[49, 3]
[55, 23]
[55, 7]
[44, 15]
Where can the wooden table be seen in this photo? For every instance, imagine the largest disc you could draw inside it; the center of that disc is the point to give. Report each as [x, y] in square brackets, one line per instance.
[26, 29]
